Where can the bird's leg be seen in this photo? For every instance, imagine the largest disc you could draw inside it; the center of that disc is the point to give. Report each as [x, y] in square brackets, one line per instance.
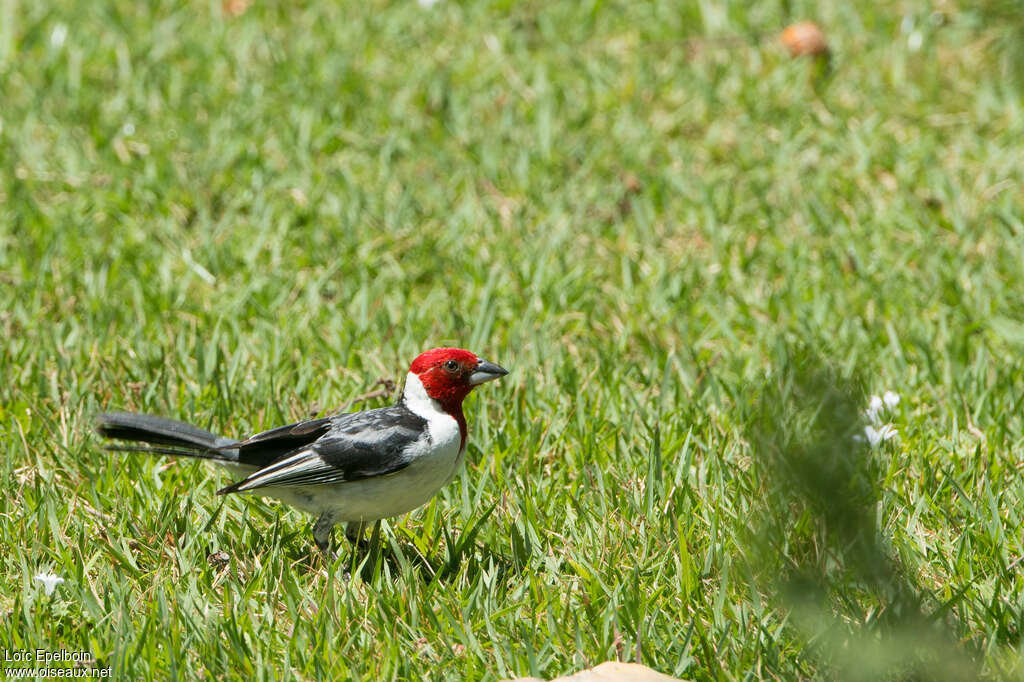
[354, 534]
[375, 537]
[322, 531]
[373, 552]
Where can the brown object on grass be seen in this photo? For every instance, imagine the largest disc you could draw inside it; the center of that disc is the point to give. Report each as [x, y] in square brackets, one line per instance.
[610, 671]
[234, 8]
[804, 38]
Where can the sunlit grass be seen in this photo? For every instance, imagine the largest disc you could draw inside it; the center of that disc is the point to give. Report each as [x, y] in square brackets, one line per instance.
[646, 211]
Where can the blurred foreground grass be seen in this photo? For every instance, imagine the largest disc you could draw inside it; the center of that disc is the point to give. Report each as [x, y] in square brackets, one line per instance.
[687, 247]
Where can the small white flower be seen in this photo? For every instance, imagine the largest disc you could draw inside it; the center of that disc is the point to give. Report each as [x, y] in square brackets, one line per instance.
[128, 129]
[915, 40]
[877, 405]
[874, 407]
[49, 581]
[882, 433]
[58, 35]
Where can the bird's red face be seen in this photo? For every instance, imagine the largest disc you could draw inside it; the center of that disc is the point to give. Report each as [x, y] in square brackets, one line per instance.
[449, 374]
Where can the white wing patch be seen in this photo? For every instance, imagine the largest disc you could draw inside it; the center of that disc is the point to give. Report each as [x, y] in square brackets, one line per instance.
[301, 462]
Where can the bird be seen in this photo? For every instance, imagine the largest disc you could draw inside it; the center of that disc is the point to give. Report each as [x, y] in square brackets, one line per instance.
[353, 468]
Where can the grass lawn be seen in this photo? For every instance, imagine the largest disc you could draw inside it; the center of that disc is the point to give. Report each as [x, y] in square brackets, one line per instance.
[698, 257]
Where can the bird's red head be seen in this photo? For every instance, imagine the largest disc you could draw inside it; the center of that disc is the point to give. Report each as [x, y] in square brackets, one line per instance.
[449, 374]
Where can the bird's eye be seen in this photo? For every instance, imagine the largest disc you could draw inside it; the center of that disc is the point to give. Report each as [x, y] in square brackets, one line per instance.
[451, 365]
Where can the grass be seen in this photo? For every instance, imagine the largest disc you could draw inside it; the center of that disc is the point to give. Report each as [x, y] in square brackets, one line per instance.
[697, 256]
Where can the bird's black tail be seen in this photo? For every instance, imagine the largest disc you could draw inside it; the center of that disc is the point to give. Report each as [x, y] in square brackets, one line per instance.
[163, 436]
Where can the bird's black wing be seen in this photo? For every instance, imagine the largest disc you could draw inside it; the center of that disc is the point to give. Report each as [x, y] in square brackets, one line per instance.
[355, 446]
[268, 446]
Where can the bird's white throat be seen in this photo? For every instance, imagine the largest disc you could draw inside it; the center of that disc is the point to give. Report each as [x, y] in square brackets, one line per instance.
[417, 400]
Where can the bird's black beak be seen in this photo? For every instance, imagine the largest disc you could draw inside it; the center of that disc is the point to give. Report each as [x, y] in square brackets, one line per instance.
[486, 371]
